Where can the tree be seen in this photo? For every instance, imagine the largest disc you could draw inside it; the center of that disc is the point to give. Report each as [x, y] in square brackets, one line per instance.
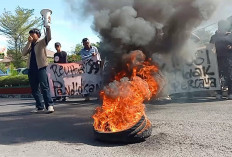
[78, 48]
[97, 44]
[3, 67]
[16, 27]
[74, 57]
[17, 58]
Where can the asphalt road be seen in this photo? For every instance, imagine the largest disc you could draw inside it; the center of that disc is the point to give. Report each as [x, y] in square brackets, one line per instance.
[197, 127]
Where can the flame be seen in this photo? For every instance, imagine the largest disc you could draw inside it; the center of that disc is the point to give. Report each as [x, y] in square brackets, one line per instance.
[123, 98]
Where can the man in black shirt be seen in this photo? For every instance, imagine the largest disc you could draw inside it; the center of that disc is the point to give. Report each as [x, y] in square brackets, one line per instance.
[222, 40]
[60, 56]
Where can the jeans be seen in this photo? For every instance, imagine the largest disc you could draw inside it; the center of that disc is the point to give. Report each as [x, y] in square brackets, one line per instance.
[225, 70]
[39, 78]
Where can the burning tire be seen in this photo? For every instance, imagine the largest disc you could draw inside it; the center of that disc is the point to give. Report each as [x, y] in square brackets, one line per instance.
[121, 117]
[138, 133]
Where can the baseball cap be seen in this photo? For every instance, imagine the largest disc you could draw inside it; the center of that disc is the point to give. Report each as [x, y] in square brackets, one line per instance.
[84, 40]
[57, 44]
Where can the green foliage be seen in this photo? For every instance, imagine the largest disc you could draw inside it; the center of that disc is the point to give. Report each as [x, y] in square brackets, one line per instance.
[97, 44]
[78, 48]
[3, 67]
[50, 60]
[13, 71]
[18, 61]
[2, 55]
[14, 81]
[74, 58]
[16, 27]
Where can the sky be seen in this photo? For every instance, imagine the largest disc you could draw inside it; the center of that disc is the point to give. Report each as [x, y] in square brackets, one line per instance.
[65, 29]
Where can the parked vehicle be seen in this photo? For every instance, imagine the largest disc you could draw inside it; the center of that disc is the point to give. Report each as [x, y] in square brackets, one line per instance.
[2, 73]
[22, 71]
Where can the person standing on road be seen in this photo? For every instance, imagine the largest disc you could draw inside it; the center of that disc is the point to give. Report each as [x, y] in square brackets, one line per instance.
[222, 40]
[87, 53]
[37, 63]
[60, 56]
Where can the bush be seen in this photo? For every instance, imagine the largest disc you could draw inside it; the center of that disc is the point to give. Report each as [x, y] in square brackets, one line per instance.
[14, 81]
[3, 67]
[13, 71]
[74, 58]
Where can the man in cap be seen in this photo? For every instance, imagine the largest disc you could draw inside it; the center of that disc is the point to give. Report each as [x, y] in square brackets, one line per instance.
[37, 63]
[87, 53]
[59, 56]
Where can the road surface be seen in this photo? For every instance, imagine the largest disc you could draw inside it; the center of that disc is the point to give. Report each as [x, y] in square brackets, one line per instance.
[197, 127]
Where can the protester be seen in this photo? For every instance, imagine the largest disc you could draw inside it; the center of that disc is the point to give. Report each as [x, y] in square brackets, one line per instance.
[87, 53]
[37, 63]
[222, 40]
[60, 56]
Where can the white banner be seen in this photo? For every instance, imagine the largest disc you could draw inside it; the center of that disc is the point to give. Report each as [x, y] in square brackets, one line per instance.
[71, 79]
[200, 75]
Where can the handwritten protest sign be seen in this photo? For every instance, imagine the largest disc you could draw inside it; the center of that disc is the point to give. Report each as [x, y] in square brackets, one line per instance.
[71, 79]
[91, 78]
[199, 75]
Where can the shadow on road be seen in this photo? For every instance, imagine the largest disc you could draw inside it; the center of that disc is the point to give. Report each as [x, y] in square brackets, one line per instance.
[70, 123]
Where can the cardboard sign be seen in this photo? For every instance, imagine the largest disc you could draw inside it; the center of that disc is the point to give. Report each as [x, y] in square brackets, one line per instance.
[78, 78]
[199, 75]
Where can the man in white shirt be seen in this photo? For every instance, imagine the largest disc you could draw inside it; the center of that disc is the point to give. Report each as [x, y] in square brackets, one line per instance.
[87, 53]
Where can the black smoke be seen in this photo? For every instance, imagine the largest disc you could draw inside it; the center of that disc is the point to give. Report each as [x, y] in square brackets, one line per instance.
[147, 25]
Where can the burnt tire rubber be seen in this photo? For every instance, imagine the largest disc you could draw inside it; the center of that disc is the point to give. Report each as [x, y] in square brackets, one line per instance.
[131, 135]
[144, 134]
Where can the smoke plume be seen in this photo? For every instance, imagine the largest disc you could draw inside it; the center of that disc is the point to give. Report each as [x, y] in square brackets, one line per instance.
[131, 24]
[148, 25]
